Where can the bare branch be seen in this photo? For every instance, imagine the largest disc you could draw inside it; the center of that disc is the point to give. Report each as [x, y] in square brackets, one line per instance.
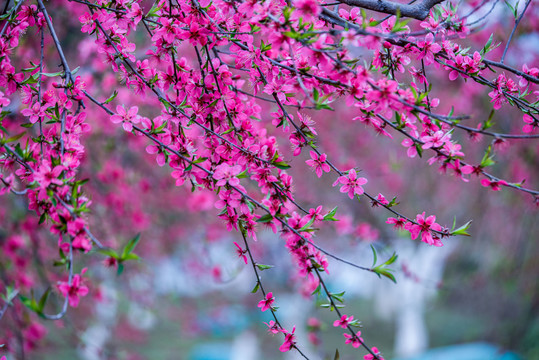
[513, 31]
[417, 11]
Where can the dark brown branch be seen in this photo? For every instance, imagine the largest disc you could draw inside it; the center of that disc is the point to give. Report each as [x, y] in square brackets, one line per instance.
[417, 11]
[513, 70]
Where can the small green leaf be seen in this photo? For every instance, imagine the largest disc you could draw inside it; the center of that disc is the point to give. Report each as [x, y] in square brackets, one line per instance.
[265, 218]
[114, 94]
[386, 273]
[374, 256]
[392, 259]
[382, 270]
[338, 297]
[14, 138]
[242, 175]
[131, 256]
[59, 262]
[281, 165]
[263, 267]
[419, 149]
[120, 269]
[489, 122]
[487, 159]
[330, 216]
[36, 75]
[255, 289]
[43, 300]
[462, 230]
[42, 218]
[200, 160]
[486, 48]
[30, 302]
[130, 246]
[316, 95]
[319, 106]
[308, 225]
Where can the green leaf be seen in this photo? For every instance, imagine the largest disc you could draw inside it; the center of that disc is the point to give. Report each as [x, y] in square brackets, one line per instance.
[337, 356]
[308, 225]
[374, 255]
[316, 95]
[393, 202]
[487, 158]
[392, 259]
[385, 272]
[486, 48]
[263, 267]
[338, 297]
[43, 300]
[330, 216]
[36, 75]
[323, 106]
[419, 149]
[130, 246]
[242, 175]
[30, 302]
[290, 34]
[59, 262]
[489, 122]
[462, 230]
[264, 47]
[255, 289]
[281, 165]
[155, 8]
[382, 270]
[120, 269]
[30, 80]
[159, 130]
[265, 218]
[131, 256]
[14, 138]
[199, 160]
[114, 94]
[254, 28]
[317, 290]
[515, 9]
[32, 68]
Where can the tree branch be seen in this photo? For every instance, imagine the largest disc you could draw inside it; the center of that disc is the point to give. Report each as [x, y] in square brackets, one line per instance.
[514, 29]
[417, 11]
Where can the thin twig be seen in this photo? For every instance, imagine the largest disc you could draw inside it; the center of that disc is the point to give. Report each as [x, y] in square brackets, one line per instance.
[513, 31]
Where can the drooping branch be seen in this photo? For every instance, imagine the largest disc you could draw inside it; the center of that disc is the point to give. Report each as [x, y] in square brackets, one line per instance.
[417, 11]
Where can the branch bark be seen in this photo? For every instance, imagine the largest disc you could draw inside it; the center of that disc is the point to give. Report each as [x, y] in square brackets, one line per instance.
[417, 11]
